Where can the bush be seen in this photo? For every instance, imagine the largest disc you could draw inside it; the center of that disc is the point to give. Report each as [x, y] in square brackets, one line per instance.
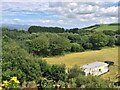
[75, 47]
[12, 83]
[93, 82]
[16, 61]
[58, 73]
[98, 40]
[75, 72]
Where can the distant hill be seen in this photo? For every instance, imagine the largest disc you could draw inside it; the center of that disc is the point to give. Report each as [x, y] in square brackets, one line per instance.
[101, 27]
[16, 26]
[98, 27]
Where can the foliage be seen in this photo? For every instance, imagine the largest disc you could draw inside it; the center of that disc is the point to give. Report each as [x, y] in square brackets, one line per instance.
[58, 73]
[12, 83]
[111, 41]
[38, 44]
[118, 31]
[109, 32]
[75, 47]
[93, 82]
[48, 44]
[72, 82]
[15, 57]
[118, 40]
[43, 82]
[21, 51]
[75, 72]
[98, 40]
[58, 45]
[45, 29]
[51, 44]
[74, 30]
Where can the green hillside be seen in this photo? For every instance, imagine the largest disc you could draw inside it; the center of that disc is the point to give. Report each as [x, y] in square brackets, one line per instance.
[102, 27]
[82, 58]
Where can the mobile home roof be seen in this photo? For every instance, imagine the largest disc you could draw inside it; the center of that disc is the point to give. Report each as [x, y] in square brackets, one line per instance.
[94, 65]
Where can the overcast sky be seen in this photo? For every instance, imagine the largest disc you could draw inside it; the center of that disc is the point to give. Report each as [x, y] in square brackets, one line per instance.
[59, 13]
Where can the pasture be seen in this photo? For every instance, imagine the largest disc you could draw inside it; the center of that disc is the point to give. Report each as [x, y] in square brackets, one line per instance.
[82, 58]
[102, 27]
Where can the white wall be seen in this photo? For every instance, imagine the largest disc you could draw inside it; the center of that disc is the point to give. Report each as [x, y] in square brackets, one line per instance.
[97, 71]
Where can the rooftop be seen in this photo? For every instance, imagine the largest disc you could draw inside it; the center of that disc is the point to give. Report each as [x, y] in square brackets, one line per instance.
[94, 65]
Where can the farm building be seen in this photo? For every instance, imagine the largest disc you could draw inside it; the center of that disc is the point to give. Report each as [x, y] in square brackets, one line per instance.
[95, 68]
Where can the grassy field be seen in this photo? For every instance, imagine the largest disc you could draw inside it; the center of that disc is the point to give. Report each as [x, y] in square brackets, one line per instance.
[113, 27]
[107, 27]
[87, 57]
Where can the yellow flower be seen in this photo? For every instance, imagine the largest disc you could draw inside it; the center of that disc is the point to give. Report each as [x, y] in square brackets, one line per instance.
[13, 79]
[5, 82]
[3, 85]
[1, 88]
[17, 81]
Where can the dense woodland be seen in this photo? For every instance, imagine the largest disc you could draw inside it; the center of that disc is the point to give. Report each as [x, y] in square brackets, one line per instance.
[23, 52]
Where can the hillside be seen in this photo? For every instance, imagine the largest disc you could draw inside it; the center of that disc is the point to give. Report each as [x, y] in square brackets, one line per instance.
[101, 27]
[24, 52]
[88, 57]
[16, 26]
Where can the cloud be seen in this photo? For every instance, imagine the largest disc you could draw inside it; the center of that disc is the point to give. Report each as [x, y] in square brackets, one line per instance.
[16, 19]
[73, 10]
[67, 14]
[59, 0]
[110, 11]
[107, 20]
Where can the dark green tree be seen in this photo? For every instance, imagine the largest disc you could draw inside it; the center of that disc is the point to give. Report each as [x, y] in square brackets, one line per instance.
[17, 62]
[98, 40]
[58, 45]
[75, 71]
[58, 72]
[38, 45]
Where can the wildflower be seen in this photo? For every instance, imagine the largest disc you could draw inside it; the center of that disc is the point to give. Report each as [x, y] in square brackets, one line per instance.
[17, 81]
[12, 83]
[0, 88]
[5, 82]
[3, 85]
[13, 79]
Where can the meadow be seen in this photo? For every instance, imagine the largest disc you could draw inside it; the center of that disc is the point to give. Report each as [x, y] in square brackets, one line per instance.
[102, 27]
[82, 58]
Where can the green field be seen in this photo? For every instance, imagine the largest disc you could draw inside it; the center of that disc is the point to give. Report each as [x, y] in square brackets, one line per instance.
[107, 27]
[102, 27]
[82, 58]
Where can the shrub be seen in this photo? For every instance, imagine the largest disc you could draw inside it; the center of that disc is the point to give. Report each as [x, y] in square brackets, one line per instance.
[12, 83]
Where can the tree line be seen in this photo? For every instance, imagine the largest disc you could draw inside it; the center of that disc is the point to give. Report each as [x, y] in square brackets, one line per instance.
[45, 29]
[73, 40]
[51, 44]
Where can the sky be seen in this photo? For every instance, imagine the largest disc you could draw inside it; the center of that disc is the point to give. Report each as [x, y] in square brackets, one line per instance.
[59, 13]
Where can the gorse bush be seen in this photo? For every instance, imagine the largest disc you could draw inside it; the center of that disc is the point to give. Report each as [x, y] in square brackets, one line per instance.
[12, 83]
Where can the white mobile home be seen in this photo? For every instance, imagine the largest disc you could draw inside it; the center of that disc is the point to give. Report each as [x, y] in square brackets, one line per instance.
[95, 68]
